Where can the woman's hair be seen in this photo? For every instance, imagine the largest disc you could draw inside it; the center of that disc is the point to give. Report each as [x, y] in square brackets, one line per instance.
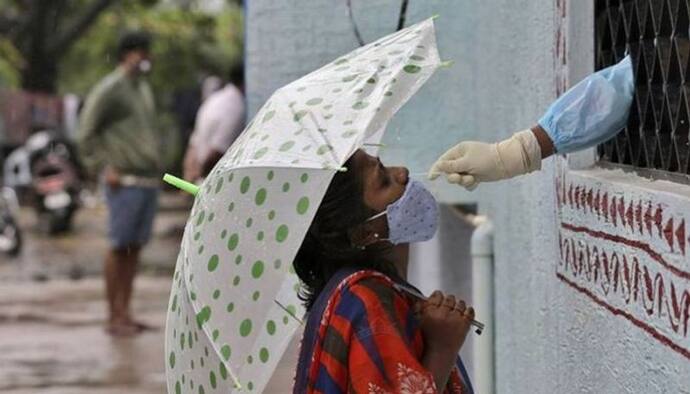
[327, 247]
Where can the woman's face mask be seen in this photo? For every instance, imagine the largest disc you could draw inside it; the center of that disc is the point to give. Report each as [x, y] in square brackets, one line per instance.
[413, 217]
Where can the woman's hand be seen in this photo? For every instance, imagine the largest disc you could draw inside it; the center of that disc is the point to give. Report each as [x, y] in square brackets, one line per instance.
[445, 323]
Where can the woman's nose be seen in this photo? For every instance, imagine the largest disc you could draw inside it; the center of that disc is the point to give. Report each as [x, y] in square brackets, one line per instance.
[402, 175]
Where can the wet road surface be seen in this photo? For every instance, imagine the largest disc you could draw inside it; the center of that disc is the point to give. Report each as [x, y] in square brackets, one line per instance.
[52, 312]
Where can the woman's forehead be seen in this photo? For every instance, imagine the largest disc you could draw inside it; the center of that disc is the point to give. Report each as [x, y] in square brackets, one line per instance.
[362, 157]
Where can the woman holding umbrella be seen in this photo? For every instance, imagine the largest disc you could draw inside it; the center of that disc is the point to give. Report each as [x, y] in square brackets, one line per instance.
[295, 187]
[364, 334]
[261, 212]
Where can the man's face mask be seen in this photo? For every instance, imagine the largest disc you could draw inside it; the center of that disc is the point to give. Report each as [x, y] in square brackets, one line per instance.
[144, 66]
[413, 217]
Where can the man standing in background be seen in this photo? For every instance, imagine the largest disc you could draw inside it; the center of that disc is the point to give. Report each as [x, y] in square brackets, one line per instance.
[118, 140]
[219, 122]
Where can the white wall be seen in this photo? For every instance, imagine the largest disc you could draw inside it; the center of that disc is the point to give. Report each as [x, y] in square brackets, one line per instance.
[560, 328]
[514, 76]
[444, 263]
[287, 39]
[512, 57]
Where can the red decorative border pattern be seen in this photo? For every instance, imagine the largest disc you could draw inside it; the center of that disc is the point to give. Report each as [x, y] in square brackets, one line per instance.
[626, 251]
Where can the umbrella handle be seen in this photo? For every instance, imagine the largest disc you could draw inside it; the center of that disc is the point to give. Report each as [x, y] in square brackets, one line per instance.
[181, 184]
[479, 326]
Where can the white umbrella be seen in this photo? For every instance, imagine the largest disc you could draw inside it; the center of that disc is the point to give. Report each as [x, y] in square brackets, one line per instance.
[234, 305]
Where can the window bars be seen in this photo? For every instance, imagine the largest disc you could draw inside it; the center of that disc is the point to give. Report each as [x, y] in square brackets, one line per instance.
[655, 34]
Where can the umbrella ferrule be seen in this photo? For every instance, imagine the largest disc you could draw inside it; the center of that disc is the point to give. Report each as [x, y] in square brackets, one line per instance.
[446, 64]
[181, 184]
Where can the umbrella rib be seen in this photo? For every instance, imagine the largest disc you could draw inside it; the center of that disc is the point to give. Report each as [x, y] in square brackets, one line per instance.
[321, 138]
[283, 165]
[301, 322]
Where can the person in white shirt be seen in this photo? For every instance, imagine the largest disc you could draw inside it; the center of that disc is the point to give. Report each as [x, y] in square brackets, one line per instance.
[220, 120]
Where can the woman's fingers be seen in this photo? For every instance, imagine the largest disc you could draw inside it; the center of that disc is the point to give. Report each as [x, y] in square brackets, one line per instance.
[436, 298]
[460, 306]
[469, 313]
[449, 302]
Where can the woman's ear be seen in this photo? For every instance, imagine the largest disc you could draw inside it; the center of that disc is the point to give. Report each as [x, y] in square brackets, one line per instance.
[364, 235]
[370, 232]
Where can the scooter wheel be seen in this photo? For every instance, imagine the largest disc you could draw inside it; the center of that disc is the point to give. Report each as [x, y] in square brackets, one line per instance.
[10, 239]
[55, 224]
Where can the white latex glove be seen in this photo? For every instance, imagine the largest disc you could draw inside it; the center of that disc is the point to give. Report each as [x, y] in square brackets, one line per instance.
[469, 163]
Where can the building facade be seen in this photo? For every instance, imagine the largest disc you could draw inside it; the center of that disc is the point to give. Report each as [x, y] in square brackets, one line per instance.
[591, 258]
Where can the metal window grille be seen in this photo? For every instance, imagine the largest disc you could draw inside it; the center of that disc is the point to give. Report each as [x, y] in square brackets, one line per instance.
[655, 34]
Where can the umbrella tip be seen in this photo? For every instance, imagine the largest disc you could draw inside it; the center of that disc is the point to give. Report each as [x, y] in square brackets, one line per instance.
[447, 64]
[435, 16]
[181, 184]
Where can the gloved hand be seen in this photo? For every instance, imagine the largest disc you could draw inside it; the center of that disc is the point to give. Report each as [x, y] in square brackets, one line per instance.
[592, 111]
[587, 114]
[470, 162]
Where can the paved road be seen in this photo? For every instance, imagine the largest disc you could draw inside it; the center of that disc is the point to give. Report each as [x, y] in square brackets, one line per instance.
[51, 324]
[52, 339]
[80, 252]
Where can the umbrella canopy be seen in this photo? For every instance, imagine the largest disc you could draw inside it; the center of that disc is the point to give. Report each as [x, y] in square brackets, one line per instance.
[234, 305]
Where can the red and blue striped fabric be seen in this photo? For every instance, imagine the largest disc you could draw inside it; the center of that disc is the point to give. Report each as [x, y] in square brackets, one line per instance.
[363, 337]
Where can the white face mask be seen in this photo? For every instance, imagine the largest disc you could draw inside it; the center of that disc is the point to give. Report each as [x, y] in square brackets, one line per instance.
[413, 217]
[144, 66]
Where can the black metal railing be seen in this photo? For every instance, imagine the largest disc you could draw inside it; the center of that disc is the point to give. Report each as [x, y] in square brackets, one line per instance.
[655, 34]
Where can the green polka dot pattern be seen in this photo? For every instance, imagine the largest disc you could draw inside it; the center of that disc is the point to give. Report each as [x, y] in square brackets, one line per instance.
[234, 291]
[210, 308]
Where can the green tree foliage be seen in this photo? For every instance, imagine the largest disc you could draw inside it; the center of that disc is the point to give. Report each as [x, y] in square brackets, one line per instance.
[66, 46]
[11, 61]
[43, 31]
[187, 44]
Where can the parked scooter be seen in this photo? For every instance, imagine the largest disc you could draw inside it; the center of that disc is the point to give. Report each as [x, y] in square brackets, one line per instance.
[10, 234]
[47, 168]
[55, 179]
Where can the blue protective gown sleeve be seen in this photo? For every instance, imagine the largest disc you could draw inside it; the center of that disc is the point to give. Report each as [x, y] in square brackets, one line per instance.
[592, 111]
